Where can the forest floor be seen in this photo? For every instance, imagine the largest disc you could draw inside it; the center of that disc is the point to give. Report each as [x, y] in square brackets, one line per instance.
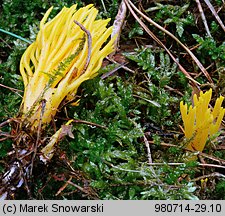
[128, 141]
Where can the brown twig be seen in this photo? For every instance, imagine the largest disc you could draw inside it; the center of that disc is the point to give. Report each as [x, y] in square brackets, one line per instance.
[215, 14]
[174, 90]
[89, 45]
[121, 169]
[12, 89]
[179, 164]
[212, 175]
[17, 120]
[111, 72]
[219, 160]
[45, 185]
[6, 136]
[77, 186]
[26, 183]
[220, 147]
[149, 154]
[64, 186]
[89, 123]
[84, 122]
[164, 144]
[5, 43]
[2, 139]
[87, 192]
[69, 193]
[203, 17]
[118, 24]
[43, 104]
[130, 5]
[123, 66]
[147, 100]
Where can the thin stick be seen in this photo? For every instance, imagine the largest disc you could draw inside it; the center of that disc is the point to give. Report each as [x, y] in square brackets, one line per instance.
[103, 5]
[149, 101]
[148, 149]
[111, 72]
[89, 123]
[43, 104]
[220, 147]
[149, 154]
[221, 161]
[174, 90]
[118, 24]
[64, 186]
[212, 165]
[203, 17]
[89, 45]
[5, 138]
[6, 122]
[130, 4]
[218, 160]
[6, 135]
[83, 190]
[119, 168]
[12, 89]
[215, 14]
[85, 122]
[194, 83]
[123, 66]
[6, 43]
[215, 174]
[179, 164]
[26, 183]
[77, 186]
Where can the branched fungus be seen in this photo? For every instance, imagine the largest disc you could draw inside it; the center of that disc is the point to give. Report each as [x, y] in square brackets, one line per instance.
[68, 50]
[200, 121]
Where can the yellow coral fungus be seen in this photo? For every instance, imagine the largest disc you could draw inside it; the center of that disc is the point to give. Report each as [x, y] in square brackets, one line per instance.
[68, 50]
[200, 121]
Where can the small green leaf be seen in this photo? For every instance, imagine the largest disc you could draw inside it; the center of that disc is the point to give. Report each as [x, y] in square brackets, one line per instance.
[179, 28]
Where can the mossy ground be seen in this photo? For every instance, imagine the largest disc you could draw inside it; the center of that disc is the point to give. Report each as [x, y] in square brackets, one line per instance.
[120, 116]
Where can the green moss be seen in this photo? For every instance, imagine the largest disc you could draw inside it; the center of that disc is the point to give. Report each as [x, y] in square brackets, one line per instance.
[109, 153]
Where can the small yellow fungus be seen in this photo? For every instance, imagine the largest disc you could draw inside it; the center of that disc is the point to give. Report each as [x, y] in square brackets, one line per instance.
[200, 121]
[68, 50]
